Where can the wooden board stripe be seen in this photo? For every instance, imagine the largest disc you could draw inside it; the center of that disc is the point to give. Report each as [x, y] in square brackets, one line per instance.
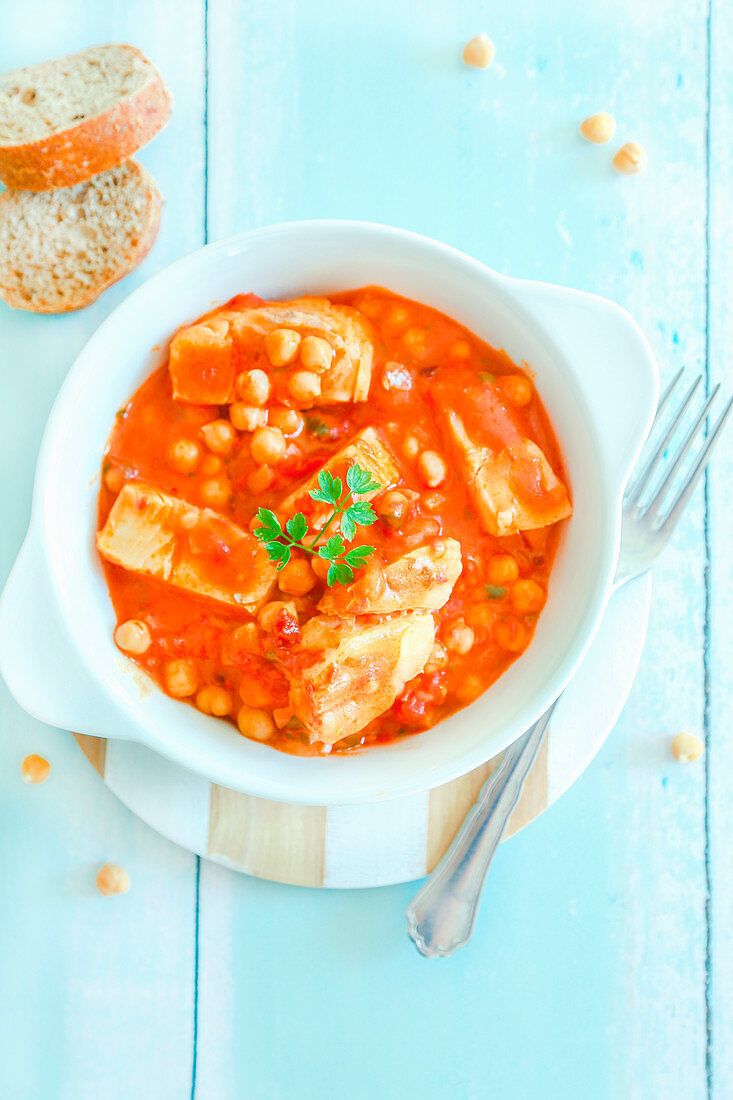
[286, 843]
[95, 750]
[272, 840]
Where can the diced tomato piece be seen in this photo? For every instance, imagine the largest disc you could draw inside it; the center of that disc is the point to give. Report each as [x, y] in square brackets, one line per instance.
[286, 628]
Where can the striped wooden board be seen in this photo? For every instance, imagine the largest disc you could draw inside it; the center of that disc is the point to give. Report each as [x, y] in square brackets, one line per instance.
[384, 842]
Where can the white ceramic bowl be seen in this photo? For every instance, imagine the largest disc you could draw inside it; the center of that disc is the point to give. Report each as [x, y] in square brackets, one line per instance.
[595, 374]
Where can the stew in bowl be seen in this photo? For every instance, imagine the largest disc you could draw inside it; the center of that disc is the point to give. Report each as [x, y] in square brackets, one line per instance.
[330, 521]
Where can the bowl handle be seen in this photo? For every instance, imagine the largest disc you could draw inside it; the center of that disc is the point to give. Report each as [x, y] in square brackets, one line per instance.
[38, 658]
[618, 375]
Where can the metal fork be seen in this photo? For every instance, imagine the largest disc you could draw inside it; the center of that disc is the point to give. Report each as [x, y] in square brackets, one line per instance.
[441, 916]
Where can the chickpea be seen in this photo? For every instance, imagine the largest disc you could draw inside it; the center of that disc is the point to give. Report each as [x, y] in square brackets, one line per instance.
[211, 465]
[686, 748]
[432, 469]
[181, 677]
[253, 386]
[214, 700]
[35, 769]
[411, 447]
[114, 479]
[438, 658]
[289, 421]
[219, 437]
[305, 386]
[469, 689]
[461, 349]
[396, 317]
[527, 596]
[320, 567]
[282, 346]
[502, 569]
[296, 578]
[630, 159]
[415, 340]
[247, 418]
[216, 492]
[480, 616]
[479, 51]
[260, 479]
[598, 128]
[133, 636]
[253, 692]
[112, 880]
[316, 353]
[257, 724]
[392, 507]
[183, 455]
[518, 389]
[267, 614]
[459, 637]
[510, 635]
[268, 446]
[247, 637]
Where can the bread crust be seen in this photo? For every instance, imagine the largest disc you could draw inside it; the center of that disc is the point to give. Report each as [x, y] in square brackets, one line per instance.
[94, 145]
[133, 258]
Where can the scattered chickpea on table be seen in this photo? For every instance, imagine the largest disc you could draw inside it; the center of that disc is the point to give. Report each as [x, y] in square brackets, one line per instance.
[479, 51]
[112, 880]
[686, 748]
[630, 159]
[35, 769]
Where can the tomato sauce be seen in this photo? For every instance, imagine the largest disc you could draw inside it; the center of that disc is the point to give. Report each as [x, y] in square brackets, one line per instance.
[440, 363]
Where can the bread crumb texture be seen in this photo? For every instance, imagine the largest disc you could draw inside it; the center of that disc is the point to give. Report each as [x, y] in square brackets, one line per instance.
[60, 249]
[49, 98]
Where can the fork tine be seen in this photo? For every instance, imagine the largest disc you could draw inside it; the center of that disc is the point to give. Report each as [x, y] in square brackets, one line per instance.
[680, 502]
[684, 447]
[666, 396]
[640, 483]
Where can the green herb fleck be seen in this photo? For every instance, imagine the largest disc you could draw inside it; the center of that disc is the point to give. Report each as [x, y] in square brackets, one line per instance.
[317, 427]
[487, 376]
[495, 592]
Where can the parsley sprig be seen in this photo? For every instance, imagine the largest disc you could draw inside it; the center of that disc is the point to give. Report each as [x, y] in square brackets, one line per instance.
[358, 513]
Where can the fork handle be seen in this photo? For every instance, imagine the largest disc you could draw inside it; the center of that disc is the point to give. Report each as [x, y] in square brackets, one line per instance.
[441, 916]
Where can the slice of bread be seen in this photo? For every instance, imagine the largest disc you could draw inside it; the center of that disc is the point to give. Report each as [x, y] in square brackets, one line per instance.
[59, 250]
[66, 120]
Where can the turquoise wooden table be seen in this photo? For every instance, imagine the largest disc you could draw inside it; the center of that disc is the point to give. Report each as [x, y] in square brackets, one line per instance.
[602, 963]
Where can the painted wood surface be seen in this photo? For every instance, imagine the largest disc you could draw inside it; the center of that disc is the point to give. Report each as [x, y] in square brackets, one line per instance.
[602, 962]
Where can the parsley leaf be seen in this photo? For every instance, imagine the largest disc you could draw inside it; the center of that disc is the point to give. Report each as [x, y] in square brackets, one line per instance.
[279, 552]
[358, 555]
[348, 527]
[352, 513]
[362, 513]
[333, 548]
[360, 481]
[330, 488]
[495, 592]
[296, 527]
[339, 573]
[270, 528]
